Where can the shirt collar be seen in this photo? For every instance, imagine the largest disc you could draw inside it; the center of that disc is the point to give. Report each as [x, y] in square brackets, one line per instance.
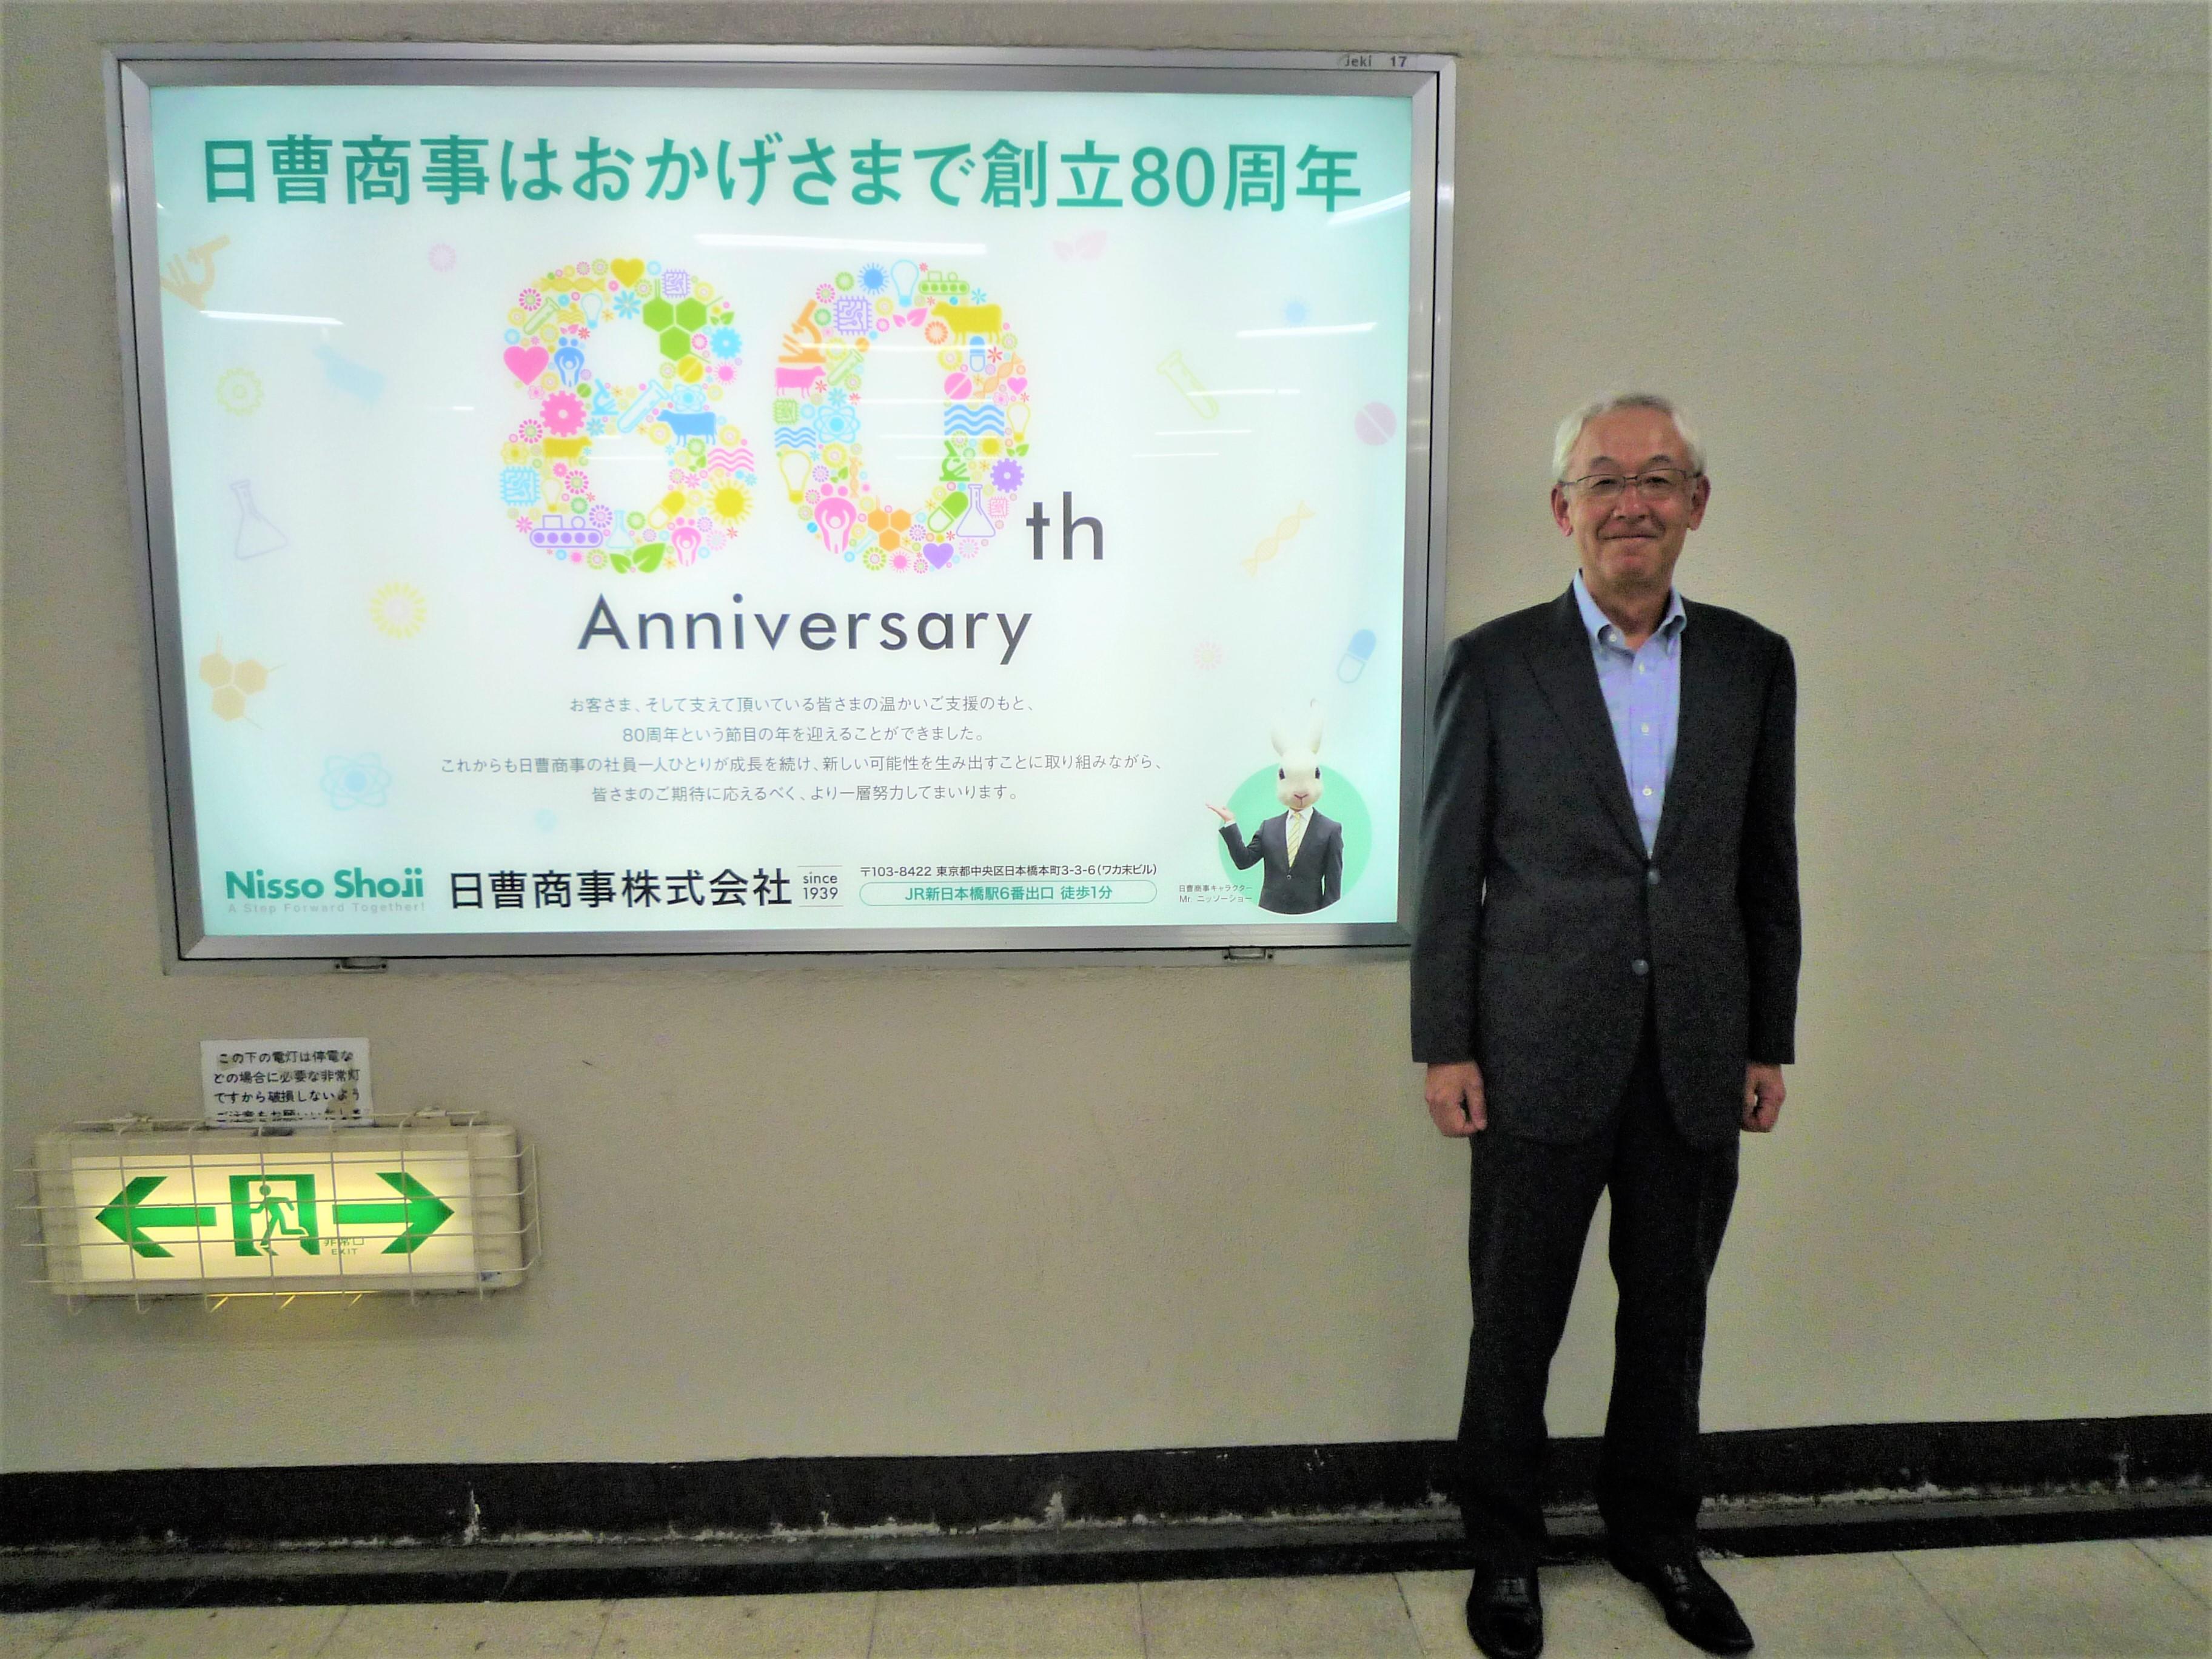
[1595, 623]
[1300, 814]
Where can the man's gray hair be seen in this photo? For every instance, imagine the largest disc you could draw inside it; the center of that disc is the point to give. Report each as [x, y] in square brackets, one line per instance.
[1563, 441]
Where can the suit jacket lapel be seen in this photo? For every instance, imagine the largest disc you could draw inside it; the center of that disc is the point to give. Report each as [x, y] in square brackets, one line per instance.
[1568, 678]
[1697, 727]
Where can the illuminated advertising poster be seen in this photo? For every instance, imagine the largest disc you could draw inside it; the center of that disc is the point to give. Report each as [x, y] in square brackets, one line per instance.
[791, 518]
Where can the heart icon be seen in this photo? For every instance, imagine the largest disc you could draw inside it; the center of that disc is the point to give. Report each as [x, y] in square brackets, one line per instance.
[527, 363]
[627, 271]
[940, 554]
[1019, 384]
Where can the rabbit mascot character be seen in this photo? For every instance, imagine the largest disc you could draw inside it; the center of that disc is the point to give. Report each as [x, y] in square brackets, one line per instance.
[1302, 851]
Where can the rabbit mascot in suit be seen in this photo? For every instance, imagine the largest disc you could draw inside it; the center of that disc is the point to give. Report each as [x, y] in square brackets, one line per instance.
[1302, 851]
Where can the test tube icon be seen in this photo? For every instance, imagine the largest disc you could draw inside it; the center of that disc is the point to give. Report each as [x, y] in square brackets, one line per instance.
[1354, 663]
[1186, 381]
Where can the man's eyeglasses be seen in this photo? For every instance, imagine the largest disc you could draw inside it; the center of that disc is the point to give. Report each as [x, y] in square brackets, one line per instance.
[1661, 484]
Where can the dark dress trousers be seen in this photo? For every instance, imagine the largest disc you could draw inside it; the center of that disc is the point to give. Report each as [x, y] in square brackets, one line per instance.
[1313, 883]
[1612, 998]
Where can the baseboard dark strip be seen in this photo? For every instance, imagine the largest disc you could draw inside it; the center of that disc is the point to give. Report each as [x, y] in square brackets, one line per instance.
[42, 1580]
[458, 1504]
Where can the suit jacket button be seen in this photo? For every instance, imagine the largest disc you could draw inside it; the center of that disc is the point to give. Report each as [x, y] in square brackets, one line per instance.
[1650, 878]
[1639, 967]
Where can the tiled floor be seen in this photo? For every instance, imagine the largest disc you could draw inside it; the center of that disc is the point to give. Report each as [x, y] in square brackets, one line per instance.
[2152, 1596]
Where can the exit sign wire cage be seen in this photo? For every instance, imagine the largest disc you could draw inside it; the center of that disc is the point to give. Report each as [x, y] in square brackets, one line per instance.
[429, 1203]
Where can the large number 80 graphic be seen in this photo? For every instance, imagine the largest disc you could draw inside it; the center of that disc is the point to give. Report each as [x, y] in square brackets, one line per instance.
[708, 491]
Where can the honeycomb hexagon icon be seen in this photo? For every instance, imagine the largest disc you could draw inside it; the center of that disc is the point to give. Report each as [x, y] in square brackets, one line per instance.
[659, 313]
[232, 682]
[689, 314]
[675, 343]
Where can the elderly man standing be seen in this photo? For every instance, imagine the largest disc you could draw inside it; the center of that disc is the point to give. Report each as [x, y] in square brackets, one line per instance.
[1604, 991]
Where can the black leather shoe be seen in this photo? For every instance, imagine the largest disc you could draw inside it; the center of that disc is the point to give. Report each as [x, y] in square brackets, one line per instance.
[1506, 1612]
[1698, 1610]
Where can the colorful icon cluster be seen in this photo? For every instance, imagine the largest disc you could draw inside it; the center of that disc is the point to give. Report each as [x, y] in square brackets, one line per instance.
[985, 412]
[545, 478]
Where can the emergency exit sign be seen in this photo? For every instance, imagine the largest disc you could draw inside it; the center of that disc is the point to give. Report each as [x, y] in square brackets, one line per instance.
[168, 1211]
[270, 1213]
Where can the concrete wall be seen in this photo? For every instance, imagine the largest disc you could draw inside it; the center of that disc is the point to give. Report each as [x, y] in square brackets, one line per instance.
[1934, 281]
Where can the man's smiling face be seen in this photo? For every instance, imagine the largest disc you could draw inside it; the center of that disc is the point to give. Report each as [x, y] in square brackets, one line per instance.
[1628, 540]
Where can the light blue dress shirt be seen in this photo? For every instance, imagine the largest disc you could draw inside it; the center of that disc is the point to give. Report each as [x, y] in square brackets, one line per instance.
[1643, 697]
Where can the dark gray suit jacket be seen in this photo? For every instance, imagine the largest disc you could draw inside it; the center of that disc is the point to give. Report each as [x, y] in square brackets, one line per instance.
[1313, 883]
[1543, 926]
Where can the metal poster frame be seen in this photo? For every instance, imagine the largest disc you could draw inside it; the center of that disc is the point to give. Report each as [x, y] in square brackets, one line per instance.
[1427, 82]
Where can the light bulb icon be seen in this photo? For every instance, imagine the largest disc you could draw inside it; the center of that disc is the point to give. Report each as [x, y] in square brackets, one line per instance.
[904, 275]
[795, 465]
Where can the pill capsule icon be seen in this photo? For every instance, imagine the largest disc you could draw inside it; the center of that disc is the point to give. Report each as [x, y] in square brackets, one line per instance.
[1354, 663]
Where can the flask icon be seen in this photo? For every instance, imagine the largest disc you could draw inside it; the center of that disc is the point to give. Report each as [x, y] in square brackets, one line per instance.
[256, 535]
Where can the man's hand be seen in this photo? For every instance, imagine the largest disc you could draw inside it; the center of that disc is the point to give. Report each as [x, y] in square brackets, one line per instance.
[1454, 1092]
[1762, 1096]
[1221, 812]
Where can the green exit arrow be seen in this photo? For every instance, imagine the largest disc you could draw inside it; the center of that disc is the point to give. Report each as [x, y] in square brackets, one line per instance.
[420, 1210]
[127, 1215]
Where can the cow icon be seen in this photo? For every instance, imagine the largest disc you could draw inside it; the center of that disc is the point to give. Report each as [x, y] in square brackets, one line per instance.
[690, 423]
